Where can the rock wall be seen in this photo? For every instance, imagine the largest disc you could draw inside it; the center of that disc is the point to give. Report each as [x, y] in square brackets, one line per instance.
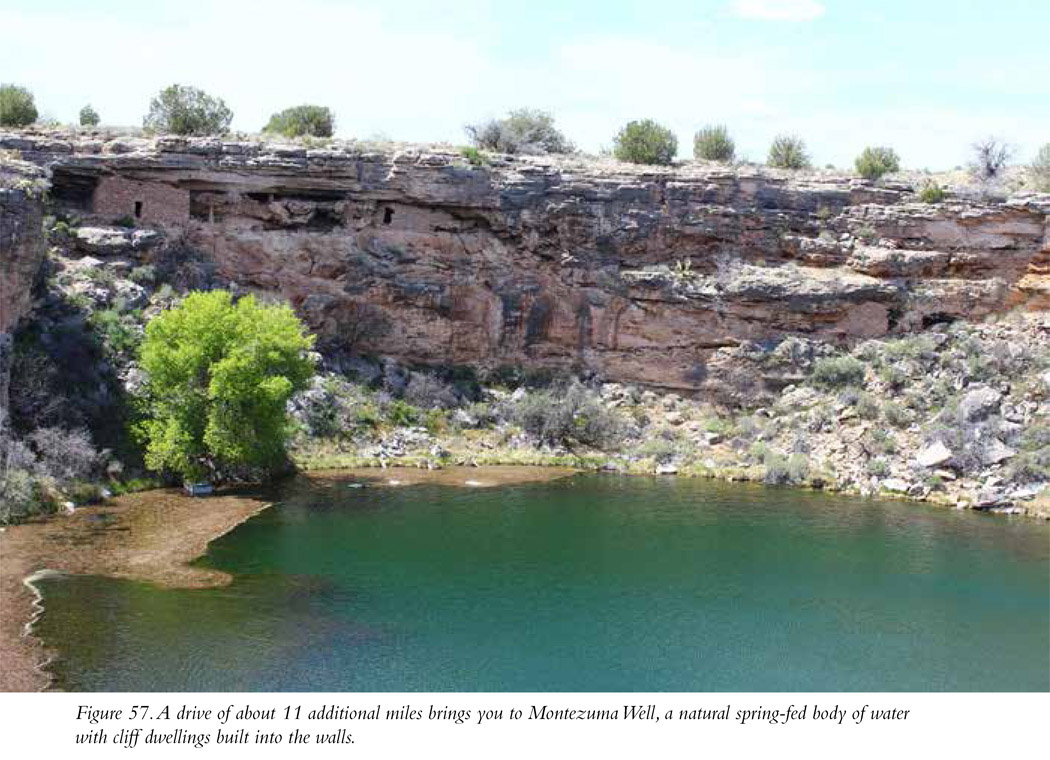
[660, 277]
[21, 254]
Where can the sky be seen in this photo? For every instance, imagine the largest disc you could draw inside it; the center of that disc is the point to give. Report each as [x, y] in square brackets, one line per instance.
[927, 77]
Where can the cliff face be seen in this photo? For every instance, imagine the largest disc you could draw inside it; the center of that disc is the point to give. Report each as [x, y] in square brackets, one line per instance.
[21, 253]
[669, 278]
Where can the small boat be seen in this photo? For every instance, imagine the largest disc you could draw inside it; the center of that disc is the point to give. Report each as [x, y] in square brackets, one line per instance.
[198, 489]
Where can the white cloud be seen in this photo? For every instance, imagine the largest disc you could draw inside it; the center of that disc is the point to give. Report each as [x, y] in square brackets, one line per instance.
[777, 10]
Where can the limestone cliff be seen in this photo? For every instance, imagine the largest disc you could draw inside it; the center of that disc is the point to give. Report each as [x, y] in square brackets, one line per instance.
[21, 253]
[665, 277]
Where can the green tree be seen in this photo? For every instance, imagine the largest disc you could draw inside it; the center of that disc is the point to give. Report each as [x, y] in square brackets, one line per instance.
[788, 152]
[17, 108]
[89, 116]
[645, 142]
[218, 375]
[872, 163]
[713, 143]
[299, 121]
[182, 110]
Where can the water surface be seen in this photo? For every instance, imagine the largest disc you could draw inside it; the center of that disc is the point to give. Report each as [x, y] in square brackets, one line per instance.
[589, 583]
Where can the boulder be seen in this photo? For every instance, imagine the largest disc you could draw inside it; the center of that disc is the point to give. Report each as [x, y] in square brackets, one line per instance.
[995, 451]
[934, 454]
[666, 469]
[979, 403]
[114, 241]
[896, 485]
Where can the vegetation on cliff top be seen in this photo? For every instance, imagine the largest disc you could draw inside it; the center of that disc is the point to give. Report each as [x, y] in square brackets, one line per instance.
[17, 107]
[645, 142]
[301, 121]
[524, 130]
[182, 110]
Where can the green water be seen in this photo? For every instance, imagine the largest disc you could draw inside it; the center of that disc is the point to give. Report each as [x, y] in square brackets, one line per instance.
[588, 583]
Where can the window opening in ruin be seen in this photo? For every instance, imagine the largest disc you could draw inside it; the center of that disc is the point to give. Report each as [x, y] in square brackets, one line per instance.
[388, 215]
[138, 209]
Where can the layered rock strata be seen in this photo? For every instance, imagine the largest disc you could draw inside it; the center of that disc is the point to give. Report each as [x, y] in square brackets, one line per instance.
[663, 277]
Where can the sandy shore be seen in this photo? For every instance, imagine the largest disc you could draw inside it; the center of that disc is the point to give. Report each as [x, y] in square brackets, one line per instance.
[151, 537]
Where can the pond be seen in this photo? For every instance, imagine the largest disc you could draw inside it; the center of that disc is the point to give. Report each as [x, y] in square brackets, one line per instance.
[585, 583]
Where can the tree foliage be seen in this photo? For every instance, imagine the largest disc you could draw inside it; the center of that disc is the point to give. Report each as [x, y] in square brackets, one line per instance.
[525, 130]
[182, 110]
[872, 163]
[304, 120]
[219, 373]
[788, 152]
[713, 143]
[17, 107]
[645, 142]
[89, 116]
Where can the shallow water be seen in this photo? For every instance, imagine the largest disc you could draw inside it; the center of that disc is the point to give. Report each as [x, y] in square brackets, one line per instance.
[589, 583]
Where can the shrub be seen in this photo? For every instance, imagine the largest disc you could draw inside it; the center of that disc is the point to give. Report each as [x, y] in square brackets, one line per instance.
[780, 471]
[990, 157]
[305, 120]
[183, 110]
[19, 495]
[931, 192]
[1040, 169]
[89, 116]
[524, 130]
[788, 152]
[872, 163]
[645, 142]
[403, 414]
[568, 417]
[428, 392]
[17, 107]
[838, 372]
[119, 332]
[143, 275]
[879, 468]
[219, 375]
[473, 155]
[65, 455]
[896, 414]
[713, 143]
[867, 407]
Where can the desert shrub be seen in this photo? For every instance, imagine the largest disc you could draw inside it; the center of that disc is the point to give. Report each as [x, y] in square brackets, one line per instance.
[525, 130]
[219, 375]
[89, 116]
[837, 372]
[879, 468]
[17, 107]
[403, 414]
[931, 192]
[788, 152]
[780, 470]
[474, 156]
[65, 455]
[895, 414]
[569, 416]
[872, 163]
[883, 441]
[119, 332]
[143, 275]
[300, 121]
[661, 450]
[19, 495]
[429, 392]
[867, 407]
[182, 110]
[645, 142]
[1040, 169]
[1030, 467]
[990, 157]
[713, 143]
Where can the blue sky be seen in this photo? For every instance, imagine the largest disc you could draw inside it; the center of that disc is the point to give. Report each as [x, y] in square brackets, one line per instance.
[925, 76]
